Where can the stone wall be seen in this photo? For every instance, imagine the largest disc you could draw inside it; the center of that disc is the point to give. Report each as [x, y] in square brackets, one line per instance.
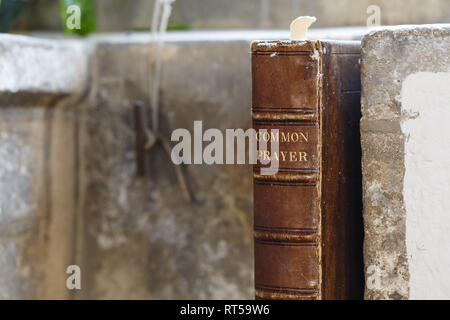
[69, 190]
[38, 174]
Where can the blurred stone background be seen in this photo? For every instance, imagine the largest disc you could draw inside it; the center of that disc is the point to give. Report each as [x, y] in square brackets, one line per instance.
[119, 15]
[70, 192]
[68, 189]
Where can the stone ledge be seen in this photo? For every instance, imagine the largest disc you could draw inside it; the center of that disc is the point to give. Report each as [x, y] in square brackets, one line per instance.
[44, 67]
[40, 67]
[340, 33]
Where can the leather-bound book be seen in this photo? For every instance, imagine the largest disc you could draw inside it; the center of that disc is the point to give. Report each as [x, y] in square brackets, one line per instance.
[308, 214]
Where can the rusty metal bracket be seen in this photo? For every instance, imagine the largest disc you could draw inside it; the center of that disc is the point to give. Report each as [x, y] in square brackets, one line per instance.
[140, 139]
[144, 141]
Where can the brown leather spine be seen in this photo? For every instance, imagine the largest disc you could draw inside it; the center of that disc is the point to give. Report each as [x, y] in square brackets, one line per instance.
[307, 216]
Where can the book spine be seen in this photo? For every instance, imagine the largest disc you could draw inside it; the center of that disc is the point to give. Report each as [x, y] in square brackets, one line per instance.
[287, 219]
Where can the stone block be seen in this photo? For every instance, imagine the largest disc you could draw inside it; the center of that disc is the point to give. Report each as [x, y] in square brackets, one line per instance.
[405, 161]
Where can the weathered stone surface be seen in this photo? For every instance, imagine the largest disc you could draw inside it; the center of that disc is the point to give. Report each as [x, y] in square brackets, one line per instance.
[40, 82]
[389, 57]
[118, 15]
[36, 204]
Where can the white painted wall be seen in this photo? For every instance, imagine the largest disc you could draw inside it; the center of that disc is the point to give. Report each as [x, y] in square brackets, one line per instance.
[425, 103]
